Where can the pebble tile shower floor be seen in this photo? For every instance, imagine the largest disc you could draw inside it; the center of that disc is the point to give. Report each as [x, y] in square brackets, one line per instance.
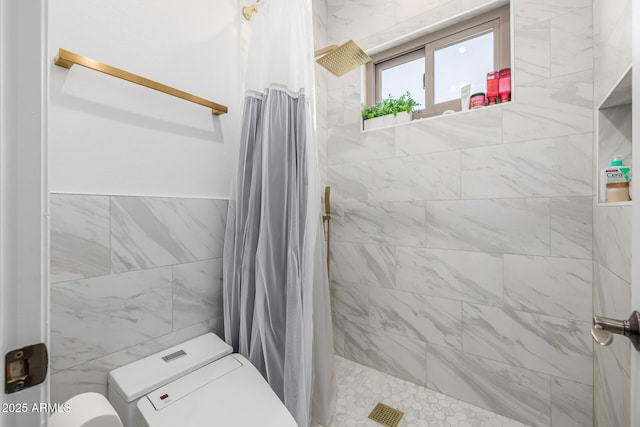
[361, 387]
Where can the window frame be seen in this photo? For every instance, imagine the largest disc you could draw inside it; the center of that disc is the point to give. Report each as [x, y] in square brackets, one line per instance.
[496, 21]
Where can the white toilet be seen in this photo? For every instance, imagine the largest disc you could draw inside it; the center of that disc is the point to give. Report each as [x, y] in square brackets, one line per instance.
[195, 384]
[198, 383]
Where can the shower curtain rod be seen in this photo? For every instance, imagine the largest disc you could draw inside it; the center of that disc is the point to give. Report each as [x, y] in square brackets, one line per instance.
[67, 59]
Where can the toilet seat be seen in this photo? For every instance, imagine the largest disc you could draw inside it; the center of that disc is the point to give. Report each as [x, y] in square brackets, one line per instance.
[198, 383]
[238, 396]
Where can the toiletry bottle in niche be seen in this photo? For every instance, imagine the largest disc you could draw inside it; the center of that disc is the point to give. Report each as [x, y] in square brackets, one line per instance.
[614, 181]
[630, 179]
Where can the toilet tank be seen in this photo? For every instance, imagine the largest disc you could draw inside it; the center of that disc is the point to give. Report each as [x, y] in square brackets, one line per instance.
[127, 384]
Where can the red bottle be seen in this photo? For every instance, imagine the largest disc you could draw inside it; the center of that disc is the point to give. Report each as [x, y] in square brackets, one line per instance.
[492, 86]
[478, 100]
[505, 85]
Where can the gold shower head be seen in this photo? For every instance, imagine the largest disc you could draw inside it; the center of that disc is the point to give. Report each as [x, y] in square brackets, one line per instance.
[340, 60]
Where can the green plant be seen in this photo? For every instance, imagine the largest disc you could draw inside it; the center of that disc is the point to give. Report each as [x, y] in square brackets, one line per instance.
[391, 106]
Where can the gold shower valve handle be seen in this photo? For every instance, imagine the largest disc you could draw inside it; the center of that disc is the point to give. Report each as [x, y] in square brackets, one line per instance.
[327, 201]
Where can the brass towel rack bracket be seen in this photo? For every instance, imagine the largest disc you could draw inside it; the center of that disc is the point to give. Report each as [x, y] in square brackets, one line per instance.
[67, 59]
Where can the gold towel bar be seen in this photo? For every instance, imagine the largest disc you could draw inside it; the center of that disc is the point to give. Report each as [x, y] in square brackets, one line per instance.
[67, 59]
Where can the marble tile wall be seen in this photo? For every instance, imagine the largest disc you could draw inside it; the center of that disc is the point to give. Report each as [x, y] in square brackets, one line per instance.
[319, 8]
[612, 46]
[129, 277]
[462, 245]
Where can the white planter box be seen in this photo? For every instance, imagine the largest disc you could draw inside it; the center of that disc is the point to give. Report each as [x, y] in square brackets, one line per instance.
[386, 121]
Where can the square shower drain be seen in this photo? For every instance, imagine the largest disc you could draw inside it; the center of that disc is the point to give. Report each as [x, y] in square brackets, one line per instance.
[386, 415]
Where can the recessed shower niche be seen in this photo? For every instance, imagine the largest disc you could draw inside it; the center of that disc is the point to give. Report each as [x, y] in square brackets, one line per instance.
[613, 130]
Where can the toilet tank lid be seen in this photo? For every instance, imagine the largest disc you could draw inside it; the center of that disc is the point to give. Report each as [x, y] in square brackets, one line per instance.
[136, 379]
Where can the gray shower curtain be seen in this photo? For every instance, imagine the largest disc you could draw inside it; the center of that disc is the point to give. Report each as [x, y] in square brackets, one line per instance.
[276, 298]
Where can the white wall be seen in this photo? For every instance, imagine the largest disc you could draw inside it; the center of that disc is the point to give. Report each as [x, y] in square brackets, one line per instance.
[108, 136]
[23, 197]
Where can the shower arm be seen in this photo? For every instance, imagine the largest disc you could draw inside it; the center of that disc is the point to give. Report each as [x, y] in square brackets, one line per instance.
[325, 50]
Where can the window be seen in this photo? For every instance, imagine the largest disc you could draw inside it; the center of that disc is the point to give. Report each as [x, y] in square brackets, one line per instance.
[434, 67]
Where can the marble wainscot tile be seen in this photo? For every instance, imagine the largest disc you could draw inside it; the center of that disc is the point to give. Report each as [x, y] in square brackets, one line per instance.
[431, 319]
[465, 130]
[615, 128]
[79, 237]
[424, 177]
[338, 227]
[515, 392]
[503, 225]
[339, 325]
[152, 232]
[392, 223]
[336, 113]
[531, 11]
[434, 15]
[363, 263]
[557, 347]
[396, 355]
[612, 364]
[348, 182]
[571, 404]
[343, 96]
[92, 376]
[350, 301]
[532, 53]
[197, 292]
[357, 19]
[572, 42]
[612, 38]
[612, 239]
[216, 325]
[407, 9]
[558, 106]
[351, 87]
[91, 318]
[472, 4]
[459, 275]
[347, 144]
[319, 10]
[529, 169]
[335, 5]
[612, 298]
[572, 227]
[611, 389]
[559, 287]
[323, 152]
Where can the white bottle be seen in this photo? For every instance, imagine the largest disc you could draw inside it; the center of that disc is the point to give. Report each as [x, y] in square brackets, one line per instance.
[614, 174]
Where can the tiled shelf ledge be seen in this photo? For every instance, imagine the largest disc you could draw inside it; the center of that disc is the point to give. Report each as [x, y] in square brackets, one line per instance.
[441, 116]
[611, 204]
